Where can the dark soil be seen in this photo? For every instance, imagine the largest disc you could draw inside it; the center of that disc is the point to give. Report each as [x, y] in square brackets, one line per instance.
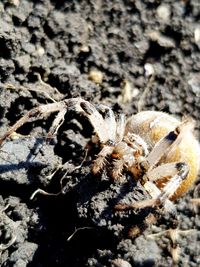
[63, 42]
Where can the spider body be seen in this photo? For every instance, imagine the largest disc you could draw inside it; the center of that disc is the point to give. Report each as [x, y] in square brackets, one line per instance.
[153, 146]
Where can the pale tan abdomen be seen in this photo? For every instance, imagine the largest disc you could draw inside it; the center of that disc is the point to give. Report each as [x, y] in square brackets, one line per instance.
[154, 125]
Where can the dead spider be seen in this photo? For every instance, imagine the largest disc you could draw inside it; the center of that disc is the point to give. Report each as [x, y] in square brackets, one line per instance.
[156, 148]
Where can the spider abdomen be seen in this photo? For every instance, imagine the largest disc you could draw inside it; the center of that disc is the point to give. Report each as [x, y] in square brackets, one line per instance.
[152, 126]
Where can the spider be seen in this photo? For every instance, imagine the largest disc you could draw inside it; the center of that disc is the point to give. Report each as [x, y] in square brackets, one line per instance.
[156, 148]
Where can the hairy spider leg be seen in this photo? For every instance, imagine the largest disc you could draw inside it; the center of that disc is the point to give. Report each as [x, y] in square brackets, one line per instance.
[78, 104]
[177, 171]
[112, 129]
[167, 143]
[35, 113]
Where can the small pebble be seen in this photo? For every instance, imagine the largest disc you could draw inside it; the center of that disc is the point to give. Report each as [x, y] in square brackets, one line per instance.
[197, 35]
[120, 263]
[149, 69]
[96, 76]
[164, 12]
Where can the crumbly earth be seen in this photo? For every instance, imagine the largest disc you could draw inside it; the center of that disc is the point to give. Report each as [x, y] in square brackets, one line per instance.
[103, 52]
